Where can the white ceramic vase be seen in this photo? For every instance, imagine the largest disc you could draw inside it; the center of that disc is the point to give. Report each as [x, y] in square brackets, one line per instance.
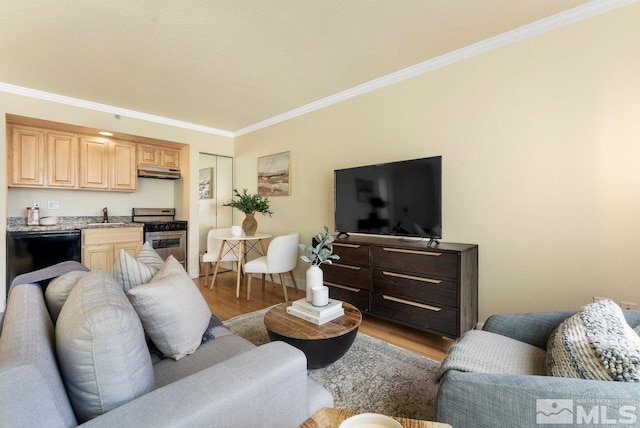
[314, 279]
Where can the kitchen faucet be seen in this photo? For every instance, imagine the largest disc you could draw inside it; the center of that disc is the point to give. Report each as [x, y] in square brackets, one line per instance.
[105, 215]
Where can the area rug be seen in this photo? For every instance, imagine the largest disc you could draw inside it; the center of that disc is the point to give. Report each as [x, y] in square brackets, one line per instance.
[373, 376]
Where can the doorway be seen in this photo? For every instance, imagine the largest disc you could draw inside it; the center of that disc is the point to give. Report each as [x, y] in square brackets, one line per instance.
[215, 188]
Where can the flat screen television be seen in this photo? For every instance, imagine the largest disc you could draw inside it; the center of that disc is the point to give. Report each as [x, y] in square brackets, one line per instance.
[397, 198]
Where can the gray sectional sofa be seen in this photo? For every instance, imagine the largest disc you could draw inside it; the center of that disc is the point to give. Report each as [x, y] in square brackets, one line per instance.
[509, 389]
[226, 382]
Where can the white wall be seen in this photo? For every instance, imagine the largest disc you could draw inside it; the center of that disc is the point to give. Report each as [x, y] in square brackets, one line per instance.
[184, 191]
[541, 146]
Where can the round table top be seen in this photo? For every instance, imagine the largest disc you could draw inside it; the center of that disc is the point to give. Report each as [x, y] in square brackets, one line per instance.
[243, 237]
[278, 321]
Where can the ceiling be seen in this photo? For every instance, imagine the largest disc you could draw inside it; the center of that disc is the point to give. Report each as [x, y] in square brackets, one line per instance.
[231, 64]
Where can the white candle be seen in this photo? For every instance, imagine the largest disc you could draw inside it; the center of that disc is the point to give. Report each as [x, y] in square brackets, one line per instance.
[320, 296]
[236, 230]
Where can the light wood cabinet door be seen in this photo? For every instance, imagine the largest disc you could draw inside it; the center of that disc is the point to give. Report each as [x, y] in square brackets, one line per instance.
[62, 160]
[26, 163]
[170, 158]
[100, 247]
[148, 155]
[94, 163]
[107, 164]
[158, 156]
[122, 160]
[98, 257]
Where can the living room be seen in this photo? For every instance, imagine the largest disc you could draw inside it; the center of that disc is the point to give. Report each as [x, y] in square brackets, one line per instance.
[538, 136]
[538, 144]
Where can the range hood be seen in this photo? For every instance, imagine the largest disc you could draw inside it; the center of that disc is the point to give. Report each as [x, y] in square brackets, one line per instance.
[165, 173]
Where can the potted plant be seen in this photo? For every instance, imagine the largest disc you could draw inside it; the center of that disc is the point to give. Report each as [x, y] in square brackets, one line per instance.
[321, 252]
[249, 204]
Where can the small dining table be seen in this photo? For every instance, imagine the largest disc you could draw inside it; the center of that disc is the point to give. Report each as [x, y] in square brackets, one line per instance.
[240, 245]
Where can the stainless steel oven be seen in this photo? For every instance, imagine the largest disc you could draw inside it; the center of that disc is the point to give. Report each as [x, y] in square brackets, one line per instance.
[163, 232]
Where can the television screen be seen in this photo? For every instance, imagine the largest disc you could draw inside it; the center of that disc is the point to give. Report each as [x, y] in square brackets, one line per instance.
[396, 198]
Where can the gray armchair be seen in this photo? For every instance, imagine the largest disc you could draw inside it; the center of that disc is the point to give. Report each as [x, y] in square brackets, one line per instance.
[499, 400]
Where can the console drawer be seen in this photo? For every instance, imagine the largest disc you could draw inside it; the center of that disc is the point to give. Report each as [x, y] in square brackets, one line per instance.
[440, 319]
[353, 254]
[353, 276]
[357, 297]
[416, 287]
[416, 260]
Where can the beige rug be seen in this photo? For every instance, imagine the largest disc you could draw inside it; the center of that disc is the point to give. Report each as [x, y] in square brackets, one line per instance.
[373, 376]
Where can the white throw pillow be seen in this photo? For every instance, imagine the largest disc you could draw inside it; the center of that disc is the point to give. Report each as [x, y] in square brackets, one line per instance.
[101, 348]
[130, 272]
[58, 291]
[172, 310]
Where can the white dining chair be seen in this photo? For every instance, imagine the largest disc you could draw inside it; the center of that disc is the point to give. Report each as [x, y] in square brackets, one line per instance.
[281, 257]
[213, 250]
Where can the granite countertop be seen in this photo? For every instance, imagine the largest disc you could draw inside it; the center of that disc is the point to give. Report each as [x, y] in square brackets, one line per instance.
[19, 224]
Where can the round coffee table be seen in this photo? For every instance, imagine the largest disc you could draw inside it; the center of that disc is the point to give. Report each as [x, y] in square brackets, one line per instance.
[322, 344]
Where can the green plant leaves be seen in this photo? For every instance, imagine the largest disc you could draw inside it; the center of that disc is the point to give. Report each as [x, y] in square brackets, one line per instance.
[322, 252]
[249, 203]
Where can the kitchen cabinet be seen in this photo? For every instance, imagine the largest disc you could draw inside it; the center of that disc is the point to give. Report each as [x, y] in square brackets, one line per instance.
[42, 158]
[26, 157]
[158, 156]
[107, 164]
[100, 246]
[62, 160]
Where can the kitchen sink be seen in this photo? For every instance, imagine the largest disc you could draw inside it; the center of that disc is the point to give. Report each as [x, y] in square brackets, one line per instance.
[98, 225]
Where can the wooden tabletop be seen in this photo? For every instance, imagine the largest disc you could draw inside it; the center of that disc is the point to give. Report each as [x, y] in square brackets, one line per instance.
[328, 417]
[280, 322]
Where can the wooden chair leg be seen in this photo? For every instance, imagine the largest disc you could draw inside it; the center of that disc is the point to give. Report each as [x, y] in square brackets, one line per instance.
[207, 272]
[263, 280]
[284, 288]
[293, 279]
[249, 286]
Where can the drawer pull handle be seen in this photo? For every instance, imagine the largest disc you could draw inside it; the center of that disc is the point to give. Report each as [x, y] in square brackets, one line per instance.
[344, 287]
[346, 266]
[421, 253]
[415, 278]
[346, 245]
[408, 302]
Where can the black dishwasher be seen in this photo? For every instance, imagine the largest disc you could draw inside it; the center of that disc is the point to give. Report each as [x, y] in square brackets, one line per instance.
[32, 250]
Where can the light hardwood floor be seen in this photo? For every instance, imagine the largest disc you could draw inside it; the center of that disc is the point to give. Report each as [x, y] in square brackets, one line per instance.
[222, 302]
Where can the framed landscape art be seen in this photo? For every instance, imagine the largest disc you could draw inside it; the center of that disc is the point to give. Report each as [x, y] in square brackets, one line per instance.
[274, 175]
[205, 184]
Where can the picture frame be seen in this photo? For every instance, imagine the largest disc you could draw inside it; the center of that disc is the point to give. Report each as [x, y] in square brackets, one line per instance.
[206, 183]
[274, 175]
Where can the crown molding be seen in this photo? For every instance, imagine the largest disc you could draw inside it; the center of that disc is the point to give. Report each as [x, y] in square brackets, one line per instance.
[48, 96]
[562, 19]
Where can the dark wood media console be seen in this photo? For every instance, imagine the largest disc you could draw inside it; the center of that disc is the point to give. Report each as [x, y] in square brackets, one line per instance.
[434, 289]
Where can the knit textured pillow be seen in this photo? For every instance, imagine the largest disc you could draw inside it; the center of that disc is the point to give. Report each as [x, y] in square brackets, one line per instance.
[595, 343]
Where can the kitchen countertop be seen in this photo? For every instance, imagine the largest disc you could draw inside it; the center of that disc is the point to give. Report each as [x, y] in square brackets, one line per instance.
[19, 224]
